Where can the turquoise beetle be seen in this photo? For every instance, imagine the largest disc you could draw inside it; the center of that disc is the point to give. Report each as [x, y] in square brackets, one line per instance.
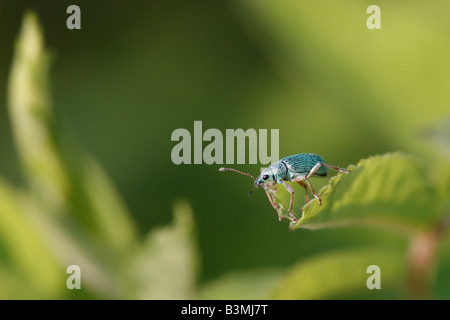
[298, 168]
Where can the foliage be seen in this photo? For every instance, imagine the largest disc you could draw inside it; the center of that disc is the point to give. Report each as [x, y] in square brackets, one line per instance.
[70, 213]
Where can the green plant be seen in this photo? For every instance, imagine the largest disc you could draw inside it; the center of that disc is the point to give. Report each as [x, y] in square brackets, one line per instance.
[69, 213]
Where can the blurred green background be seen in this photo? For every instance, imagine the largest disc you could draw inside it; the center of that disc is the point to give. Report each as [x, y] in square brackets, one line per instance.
[138, 70]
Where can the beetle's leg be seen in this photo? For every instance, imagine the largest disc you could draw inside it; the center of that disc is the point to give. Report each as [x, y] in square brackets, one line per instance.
[312, 190]
[291, 191]
[274, 205]
[335, 168]
[318, 164]
[306, 190]
[273, 189]
[314, 169]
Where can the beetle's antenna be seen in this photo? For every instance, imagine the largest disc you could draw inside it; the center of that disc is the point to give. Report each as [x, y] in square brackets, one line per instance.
[251, 191]
[247, 174]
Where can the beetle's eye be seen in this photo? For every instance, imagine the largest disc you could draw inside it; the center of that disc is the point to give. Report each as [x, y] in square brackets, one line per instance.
[265, 177]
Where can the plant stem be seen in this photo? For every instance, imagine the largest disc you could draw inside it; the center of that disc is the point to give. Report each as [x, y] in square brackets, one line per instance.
[421, 257]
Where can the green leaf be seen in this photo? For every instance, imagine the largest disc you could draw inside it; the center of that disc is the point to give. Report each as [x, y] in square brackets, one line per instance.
[389, 191]
[27, 268]
[70, 199]
[244, 285]
[62, 177]
[343, 274]
[165, 266]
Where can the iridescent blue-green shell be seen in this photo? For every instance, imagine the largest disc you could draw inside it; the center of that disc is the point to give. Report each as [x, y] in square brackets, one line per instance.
[301, 164]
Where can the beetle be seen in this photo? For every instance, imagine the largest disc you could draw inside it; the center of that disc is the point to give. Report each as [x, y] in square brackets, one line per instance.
[298, 168]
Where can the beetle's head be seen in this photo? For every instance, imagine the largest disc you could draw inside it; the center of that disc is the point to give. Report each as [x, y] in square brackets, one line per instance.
[269, 176]
[266, 175]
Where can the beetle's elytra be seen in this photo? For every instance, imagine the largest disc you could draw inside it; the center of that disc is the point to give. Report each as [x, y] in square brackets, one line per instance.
[298, 168]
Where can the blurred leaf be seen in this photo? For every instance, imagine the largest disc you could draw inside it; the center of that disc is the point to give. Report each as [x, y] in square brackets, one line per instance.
[107, 212]
[65, 179]
[245, 285]
[27, 268]
[71, 200]
[343, 274]
[389, 191]
[438, 136]
[32, 118]
[440, 177]
[165, 266]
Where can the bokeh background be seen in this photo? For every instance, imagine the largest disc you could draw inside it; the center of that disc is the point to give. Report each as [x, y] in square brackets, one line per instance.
[138, 70]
